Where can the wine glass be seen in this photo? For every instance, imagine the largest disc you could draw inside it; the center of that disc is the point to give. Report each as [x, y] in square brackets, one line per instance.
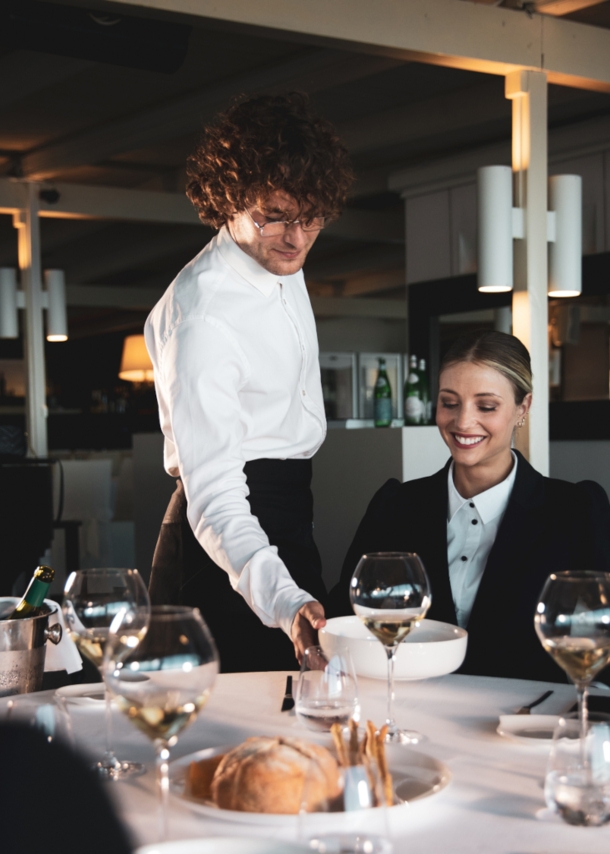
[93, 598]
[164, 682]
[390, 592]
[327, 692]
[577, 783]
[573, 623]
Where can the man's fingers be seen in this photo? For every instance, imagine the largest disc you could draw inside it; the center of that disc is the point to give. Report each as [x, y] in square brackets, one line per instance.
[314, 613]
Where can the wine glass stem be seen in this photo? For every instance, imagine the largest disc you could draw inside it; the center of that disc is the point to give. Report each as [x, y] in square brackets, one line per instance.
[109, 754]
[391, 654]
[163, 787]
[583, 716]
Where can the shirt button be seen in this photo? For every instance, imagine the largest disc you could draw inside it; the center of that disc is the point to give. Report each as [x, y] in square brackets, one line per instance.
[475, 522]
[463, 557]
[471, 504]
[303, 392]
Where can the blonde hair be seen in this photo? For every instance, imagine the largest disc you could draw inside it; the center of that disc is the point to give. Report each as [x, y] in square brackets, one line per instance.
[504, 353]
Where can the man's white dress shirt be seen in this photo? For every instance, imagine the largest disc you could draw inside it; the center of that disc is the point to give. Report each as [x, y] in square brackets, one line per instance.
[472, 525]
[237, 377]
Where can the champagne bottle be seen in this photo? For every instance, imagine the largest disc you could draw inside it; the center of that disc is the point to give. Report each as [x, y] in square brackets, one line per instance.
[424, 393]
[383, 397]
[414, 408]
[35, 594]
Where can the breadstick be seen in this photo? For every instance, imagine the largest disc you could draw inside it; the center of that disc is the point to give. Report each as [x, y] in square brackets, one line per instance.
[371, 741]
[382, 765]
[353, 743]
[336, 731]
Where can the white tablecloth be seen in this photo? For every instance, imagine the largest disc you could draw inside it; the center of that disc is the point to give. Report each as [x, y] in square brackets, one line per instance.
[491, 805]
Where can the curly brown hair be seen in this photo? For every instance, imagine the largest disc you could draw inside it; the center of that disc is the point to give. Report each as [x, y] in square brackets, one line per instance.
[263, 144]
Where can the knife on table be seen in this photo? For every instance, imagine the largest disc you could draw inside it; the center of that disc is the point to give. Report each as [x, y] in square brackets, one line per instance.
[288, 701]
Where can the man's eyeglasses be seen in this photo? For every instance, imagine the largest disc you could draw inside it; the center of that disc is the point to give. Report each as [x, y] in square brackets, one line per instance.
[276, 227]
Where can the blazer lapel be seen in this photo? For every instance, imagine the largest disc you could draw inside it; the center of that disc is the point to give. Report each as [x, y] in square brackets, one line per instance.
[508, 559]
[433, 526]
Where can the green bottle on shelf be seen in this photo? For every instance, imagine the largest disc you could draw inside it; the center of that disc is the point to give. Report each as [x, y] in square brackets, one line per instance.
[414, 408]
[424, 393]
[35, 595]
[383, 397]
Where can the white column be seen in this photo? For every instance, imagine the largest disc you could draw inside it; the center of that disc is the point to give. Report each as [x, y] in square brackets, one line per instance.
[28, 229]
[528, 92]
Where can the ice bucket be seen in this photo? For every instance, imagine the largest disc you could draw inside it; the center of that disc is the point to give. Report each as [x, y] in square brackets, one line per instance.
[22, 649]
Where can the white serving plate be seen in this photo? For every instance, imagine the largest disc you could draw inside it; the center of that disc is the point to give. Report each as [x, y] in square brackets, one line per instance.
[223, 845]
[416, 776]
[431, 649]
[85, 694]
[535, 730]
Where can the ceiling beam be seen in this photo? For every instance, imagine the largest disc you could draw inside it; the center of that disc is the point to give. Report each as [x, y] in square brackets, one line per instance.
[312, 71]
[489, 39]
[78, 201]
[564, 7]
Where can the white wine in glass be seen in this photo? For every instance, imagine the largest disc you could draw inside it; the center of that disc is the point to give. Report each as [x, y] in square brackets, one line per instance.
[93, 600]
[573, 623]
[163, 684]
[390, 592]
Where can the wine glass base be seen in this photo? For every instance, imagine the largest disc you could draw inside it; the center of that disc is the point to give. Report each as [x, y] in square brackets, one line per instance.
[403, 736]
[118, 769]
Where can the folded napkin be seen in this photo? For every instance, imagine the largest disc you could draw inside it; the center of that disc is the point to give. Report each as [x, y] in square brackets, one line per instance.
[64, 655]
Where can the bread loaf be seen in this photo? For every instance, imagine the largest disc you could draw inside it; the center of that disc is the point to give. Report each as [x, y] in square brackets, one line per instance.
[275, 775]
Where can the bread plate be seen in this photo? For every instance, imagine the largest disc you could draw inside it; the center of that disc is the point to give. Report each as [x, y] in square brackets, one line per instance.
[533, 730]
[431, 649]
[416, 776]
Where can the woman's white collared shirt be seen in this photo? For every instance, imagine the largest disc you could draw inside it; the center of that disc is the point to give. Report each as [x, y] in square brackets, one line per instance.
[237, 377]
[472, 526]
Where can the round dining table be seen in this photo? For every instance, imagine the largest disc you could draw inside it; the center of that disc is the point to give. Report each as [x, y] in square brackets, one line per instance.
[492, 804]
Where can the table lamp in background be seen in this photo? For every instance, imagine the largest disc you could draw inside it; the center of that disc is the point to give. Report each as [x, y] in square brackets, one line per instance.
[136, 366]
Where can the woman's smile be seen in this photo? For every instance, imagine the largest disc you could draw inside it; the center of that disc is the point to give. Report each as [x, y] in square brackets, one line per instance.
[477, 415]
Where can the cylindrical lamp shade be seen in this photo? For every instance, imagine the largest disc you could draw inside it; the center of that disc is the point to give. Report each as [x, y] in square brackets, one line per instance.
[136, 366]
[495, 228]
[9, 323]
[57, 315]
[565, 253]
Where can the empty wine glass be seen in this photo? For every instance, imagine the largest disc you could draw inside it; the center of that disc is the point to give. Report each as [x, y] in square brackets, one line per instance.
[164, 682]
[93, 598]
[573, 623]
[577, 784]
[390, 592]
[327, 692]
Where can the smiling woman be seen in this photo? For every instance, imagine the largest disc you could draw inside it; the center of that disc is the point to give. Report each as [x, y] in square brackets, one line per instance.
[488, 527]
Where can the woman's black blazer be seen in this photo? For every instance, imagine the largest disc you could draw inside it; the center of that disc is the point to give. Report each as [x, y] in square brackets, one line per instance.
[549, 525]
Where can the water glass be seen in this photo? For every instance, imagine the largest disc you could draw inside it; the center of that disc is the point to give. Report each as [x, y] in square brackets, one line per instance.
[577, 784]
[327, 692]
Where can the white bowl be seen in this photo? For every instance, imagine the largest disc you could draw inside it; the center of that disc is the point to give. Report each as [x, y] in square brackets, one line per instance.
[431, 649]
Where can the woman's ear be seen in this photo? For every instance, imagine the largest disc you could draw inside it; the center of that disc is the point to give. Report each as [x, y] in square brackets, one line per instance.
[525, 405]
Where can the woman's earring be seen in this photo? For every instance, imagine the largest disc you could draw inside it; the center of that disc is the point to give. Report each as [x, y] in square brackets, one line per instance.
[521, 423]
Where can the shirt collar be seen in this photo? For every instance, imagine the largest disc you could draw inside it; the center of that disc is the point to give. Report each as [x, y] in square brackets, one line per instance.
[489, 504]
[243, 264]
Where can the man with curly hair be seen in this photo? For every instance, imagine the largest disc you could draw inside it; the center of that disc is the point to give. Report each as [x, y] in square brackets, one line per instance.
[234, 346]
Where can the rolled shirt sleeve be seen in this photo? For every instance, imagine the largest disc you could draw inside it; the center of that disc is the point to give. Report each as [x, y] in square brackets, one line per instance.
[201, 371]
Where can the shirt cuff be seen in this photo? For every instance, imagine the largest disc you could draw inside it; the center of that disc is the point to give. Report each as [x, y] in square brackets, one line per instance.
[270, 590]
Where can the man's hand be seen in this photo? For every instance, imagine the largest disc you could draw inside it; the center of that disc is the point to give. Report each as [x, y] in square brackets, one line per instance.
[305, 627]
